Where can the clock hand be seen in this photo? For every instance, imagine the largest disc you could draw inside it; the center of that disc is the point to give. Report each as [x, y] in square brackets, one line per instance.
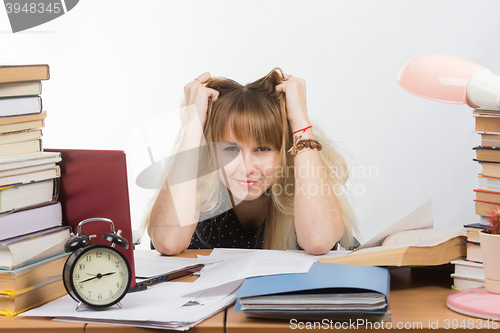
[98, 276]
[92, 278]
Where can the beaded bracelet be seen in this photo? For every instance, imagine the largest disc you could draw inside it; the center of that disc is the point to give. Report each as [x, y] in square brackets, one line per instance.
[299, 144]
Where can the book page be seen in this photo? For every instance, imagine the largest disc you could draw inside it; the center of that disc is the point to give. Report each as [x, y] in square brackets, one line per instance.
[418, 238]
[424, 237]
[420, 218]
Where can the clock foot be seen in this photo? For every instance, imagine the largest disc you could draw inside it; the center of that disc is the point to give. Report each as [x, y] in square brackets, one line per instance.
[79, 306]
[119, 305]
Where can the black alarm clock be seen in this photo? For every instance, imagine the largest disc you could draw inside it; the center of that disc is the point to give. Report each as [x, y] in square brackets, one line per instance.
[98, 276]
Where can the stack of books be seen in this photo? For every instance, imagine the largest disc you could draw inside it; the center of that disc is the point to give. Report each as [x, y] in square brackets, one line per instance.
[32, 237]
[488, 156]
[469, 272]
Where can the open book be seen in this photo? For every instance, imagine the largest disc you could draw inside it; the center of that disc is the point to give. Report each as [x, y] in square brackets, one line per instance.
[426, 246]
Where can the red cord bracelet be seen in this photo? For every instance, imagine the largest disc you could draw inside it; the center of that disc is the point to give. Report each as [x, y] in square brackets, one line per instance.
[302, 130]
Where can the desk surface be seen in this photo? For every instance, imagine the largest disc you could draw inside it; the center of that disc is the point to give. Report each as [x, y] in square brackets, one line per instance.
[417, 298]
[21, 324]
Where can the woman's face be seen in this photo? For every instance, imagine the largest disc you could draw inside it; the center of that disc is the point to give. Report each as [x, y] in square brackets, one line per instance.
[249, 169]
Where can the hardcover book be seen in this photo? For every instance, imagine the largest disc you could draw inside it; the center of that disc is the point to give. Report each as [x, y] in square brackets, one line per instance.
[23, 73]
[32, 88]
[31, 247]
[18, 106]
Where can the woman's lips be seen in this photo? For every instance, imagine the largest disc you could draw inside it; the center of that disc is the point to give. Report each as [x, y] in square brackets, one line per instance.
[246, 183]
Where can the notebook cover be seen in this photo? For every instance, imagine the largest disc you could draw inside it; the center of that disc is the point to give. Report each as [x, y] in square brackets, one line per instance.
[320, 276]
[94, 184]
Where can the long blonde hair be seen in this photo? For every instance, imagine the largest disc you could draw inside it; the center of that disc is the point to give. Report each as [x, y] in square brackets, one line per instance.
[257, 112]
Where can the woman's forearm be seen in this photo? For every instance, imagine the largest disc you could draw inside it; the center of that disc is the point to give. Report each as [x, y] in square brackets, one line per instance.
[318, 220]
[174, 216]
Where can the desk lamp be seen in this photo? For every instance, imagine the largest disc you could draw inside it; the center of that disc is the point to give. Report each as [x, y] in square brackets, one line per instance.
[449, 79]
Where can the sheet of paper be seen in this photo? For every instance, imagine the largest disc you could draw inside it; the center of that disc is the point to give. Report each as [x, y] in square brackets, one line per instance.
[427, 237]
[227, 271]
[151, 263]
[420, 218]
[240, 264]
[446, 234]
[279, 263]
[202, 305]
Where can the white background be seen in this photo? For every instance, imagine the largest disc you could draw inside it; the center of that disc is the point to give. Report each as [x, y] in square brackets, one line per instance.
[116, 64]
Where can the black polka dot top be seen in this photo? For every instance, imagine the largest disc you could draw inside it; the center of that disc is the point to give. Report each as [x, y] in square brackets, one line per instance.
[226, 231]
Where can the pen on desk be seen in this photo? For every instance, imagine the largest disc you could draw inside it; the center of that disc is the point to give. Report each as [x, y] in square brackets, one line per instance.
[146, 284]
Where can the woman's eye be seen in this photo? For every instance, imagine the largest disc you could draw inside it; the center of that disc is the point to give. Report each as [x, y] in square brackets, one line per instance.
[263, 148]
[231, 148]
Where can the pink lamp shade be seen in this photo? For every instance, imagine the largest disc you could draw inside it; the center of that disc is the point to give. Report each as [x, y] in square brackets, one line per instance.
[449, 79]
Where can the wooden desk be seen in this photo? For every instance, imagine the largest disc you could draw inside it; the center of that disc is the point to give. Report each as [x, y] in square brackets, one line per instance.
[34, 325]
[417, 300]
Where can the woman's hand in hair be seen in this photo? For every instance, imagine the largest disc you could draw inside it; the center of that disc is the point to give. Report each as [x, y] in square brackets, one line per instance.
[296, 107]
[197, 96]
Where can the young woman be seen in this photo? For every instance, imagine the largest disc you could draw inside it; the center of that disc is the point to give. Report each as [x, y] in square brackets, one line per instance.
[265, 178]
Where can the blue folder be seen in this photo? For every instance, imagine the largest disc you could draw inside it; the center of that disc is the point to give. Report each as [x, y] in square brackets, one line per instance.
[322, 277]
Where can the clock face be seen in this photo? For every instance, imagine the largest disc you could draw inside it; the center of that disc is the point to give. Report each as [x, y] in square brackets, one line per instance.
[100, 275]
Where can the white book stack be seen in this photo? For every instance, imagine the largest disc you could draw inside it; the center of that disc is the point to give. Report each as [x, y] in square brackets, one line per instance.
[467, 274]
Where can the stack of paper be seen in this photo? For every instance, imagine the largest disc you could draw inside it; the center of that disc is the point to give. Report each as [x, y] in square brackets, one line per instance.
[318, 302]
[166, 306]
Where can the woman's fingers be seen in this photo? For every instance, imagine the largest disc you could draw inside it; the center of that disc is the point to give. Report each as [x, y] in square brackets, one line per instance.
[195, 84]
[197, 94]
[290, 81]
[294, 89]
[212, 94]
[283, 85]
[203, 77]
